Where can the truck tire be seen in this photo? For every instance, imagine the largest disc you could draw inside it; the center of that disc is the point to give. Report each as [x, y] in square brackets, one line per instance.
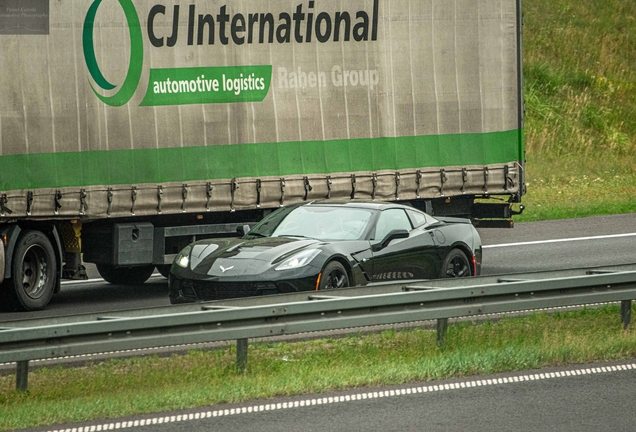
[125, 275]
[333, 276]
[164, 270]
[33, 271]
[455, 265]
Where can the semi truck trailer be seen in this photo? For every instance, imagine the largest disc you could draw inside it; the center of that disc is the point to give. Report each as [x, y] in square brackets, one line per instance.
[129, 128]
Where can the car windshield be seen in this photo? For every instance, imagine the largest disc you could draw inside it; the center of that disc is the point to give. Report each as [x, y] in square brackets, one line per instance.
[318, 222]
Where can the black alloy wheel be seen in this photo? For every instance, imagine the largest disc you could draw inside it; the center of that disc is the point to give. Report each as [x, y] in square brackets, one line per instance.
[334, 276]
[456, 265]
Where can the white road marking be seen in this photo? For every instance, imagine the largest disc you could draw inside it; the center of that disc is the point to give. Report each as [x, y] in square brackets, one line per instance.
[347, 398]
[559, 240]
[77, 282]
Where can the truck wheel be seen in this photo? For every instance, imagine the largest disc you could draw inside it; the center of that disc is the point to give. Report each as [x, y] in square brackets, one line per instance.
[33, 271]
[333, 276]
[125, 275]
[164, 270]
[455, 265]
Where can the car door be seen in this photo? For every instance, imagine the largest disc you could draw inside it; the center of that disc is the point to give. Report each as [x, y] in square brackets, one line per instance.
[410, 258]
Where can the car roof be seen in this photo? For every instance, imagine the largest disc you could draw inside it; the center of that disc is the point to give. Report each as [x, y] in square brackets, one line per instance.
[365, 204]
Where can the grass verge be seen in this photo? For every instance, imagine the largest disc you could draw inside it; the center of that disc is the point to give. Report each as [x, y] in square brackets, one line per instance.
[142, 385]
[562, 189]
[580, 82]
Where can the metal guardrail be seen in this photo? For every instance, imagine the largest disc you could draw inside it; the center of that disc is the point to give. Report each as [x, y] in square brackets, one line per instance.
[242, 319]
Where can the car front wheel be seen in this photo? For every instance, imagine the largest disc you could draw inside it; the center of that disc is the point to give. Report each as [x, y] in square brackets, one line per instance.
[333, 276]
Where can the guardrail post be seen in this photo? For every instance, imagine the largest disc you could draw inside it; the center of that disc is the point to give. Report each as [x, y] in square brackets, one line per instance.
[22, 375]
[442, 326]
[241, 354]
[626, 313]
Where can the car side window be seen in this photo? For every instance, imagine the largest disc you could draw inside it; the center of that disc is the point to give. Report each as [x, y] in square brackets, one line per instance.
[390, 220]
[418, 219]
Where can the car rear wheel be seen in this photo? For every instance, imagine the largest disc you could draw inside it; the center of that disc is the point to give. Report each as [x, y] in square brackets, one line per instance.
[333, 276]
[456, 265]
[125, 275]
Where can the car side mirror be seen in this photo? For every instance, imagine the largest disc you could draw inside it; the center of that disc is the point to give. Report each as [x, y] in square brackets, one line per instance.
[394, 234]
[243, 230]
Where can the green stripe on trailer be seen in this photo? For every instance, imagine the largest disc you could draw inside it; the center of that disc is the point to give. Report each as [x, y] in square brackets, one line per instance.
[112, 167]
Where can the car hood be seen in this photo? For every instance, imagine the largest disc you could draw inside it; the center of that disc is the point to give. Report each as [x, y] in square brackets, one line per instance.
[234, 257]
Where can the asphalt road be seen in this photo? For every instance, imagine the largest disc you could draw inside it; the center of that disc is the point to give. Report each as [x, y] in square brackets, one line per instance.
[535, 246]
[562, 244]
[597, 397]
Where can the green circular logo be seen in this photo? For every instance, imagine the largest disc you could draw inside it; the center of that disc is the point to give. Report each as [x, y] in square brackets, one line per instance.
[128, 88]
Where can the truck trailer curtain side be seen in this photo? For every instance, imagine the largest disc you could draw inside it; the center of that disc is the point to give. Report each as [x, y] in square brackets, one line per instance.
[117, 108]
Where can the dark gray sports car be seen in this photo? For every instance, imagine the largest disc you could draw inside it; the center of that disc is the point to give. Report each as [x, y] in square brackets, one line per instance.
[324, 245]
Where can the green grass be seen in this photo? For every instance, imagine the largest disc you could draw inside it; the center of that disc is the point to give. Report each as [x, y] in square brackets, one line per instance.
[141, 385]
[577, 188]
[580, 90]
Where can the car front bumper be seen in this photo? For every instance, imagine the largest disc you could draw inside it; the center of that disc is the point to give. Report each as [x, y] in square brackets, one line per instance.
[188, 290]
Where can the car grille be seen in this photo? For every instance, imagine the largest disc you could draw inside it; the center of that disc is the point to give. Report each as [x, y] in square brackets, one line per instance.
[206, 290]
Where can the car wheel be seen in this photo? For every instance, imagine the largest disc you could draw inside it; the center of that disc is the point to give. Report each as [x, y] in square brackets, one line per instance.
[333, 276]
[455, 265]
[125, 275]
[34, 271]
[164, 270]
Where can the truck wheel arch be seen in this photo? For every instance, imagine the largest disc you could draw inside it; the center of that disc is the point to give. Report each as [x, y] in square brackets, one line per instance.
[11, 234]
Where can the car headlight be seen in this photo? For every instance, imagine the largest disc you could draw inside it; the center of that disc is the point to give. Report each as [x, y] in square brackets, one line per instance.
[183, 258]
[301, 259]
